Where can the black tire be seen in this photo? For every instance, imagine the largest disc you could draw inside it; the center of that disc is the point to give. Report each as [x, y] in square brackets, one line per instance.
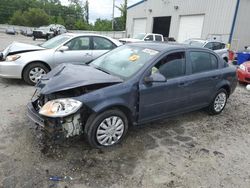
[31, 66]
[34, 38]
[211, 108]
[94, 122]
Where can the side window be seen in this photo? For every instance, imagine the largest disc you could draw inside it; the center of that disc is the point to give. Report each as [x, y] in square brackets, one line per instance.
[158, 38]
[217, 46]
[171, 66]
[203, 61]
[79, 43]
[149, 38]
[102, 44]
[209, 45]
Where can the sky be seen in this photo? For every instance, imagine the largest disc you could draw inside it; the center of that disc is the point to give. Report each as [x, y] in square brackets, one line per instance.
[103, 8]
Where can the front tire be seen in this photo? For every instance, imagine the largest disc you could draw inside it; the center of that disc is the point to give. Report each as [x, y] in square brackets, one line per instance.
[106, 129]
[218, 103]
[33, 73]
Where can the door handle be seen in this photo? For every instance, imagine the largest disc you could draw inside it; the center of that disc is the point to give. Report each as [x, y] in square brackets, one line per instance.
[183, 84]
[214, 77]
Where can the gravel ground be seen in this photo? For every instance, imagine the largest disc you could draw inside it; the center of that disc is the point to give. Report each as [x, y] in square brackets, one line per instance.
[191, 150]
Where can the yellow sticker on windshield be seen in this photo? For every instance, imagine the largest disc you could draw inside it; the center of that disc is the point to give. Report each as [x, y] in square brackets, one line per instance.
[134, 58]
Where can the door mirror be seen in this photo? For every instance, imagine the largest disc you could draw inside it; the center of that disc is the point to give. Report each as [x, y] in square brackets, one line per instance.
[63, 48]
[156, 77]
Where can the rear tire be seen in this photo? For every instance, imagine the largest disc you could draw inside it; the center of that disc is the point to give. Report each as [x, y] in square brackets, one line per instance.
[33, 72]
[106, 129]
[218, 103]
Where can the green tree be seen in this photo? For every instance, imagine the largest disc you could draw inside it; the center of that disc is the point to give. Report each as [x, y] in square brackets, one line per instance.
[103, 25]
[18, 19]
[36, 17]
[123, 18]
[81, 25]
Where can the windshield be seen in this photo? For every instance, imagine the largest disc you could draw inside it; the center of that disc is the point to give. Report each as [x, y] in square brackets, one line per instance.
[124, 61]
[140, 36]
[195, 43]
[56, 41]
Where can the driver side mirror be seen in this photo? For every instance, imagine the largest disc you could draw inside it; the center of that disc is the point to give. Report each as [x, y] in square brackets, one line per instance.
[63, 48]
[156, 77]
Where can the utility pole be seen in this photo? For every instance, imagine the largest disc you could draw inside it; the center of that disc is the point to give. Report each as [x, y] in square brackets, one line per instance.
[113, 15]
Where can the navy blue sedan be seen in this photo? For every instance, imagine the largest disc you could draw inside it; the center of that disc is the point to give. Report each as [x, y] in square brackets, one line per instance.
[133, 84]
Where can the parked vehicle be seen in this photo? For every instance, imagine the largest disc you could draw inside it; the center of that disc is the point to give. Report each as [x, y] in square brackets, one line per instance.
[143, 37]
[131, 85]
[218, 47]
[30, 62]
[243, 73]
[48, 32]
[11, 31]
[27, 32]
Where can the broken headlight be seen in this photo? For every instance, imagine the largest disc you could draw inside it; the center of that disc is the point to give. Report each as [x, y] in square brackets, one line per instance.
[60, 107]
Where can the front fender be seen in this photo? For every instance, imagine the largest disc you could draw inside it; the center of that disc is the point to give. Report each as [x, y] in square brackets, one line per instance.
[109, 104]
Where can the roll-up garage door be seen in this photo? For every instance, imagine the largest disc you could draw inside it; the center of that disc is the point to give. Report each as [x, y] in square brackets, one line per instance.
[139, 26]
[190, 27]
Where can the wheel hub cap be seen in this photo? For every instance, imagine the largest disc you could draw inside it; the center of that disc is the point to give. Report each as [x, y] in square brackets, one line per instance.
[110, 131]
[220, 102]
[36, 74]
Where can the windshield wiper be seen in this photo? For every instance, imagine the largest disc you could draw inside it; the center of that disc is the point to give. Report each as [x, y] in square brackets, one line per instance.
[99, 68]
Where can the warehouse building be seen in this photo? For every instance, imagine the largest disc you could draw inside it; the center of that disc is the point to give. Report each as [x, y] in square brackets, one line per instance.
[224, 20]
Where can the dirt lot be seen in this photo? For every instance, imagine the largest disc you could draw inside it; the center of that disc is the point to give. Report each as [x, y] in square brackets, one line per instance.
[191, 150]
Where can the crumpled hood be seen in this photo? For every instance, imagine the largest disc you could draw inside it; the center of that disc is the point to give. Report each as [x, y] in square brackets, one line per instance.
[17, 47]
[69, 76]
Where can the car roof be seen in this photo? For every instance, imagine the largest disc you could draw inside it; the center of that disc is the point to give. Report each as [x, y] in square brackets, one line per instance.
[204, 40]
[162, 46]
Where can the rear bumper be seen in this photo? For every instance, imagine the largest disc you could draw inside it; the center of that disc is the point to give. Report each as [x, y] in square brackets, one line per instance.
[34, 116]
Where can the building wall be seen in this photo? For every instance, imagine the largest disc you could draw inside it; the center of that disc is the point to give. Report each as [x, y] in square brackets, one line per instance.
[241, 35]
[218, 15]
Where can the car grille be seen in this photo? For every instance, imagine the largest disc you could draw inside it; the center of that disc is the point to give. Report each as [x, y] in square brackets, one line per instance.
[248, 69]
[247, 79]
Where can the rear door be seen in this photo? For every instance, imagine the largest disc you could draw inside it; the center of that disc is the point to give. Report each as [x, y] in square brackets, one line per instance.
[101, 45]
[79, 51]
[204, 77]
[160, 99]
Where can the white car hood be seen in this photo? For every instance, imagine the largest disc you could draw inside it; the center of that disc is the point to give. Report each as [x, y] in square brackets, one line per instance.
[17, 47]
[129, 40]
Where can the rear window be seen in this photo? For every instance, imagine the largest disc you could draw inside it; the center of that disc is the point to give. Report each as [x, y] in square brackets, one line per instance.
[203, 61]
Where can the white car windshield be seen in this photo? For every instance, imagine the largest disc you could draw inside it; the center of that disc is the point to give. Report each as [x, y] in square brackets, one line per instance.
[55, 42]
[140, 36]
[124, 61]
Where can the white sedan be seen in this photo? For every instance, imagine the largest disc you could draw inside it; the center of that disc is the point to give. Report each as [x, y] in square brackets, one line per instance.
[31, 62]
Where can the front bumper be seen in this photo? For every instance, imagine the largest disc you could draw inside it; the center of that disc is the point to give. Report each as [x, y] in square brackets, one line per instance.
[34, 116]
[10, 69]
[243, 76]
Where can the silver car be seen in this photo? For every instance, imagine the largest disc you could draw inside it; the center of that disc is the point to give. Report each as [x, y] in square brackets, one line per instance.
[30, 62]
[218, 47]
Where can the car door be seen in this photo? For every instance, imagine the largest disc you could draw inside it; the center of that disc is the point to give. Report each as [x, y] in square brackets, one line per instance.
[204, 77]
[164, 98]
[79, 51]
[149, 38]
[101, 45]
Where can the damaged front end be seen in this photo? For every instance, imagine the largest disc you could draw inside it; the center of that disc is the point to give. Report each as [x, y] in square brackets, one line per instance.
[55, 104]
[56, 126]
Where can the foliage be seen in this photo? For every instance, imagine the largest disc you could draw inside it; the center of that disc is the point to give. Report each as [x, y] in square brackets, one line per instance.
[103, 25]
[120, 23]
[42, 12]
